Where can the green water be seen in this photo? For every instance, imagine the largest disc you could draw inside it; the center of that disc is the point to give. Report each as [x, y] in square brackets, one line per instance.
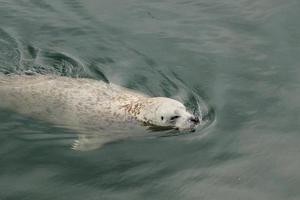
[241, 57]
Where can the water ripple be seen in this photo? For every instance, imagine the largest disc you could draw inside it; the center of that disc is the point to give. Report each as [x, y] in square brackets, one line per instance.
[9, 53]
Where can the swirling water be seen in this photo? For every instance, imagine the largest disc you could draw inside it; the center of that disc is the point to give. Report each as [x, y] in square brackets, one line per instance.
[241, 57]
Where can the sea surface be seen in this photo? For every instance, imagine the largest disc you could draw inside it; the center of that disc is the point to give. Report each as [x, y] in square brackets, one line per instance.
[241, 57]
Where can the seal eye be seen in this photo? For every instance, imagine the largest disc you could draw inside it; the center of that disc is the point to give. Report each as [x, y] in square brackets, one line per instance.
[162, 118]
[174, 117]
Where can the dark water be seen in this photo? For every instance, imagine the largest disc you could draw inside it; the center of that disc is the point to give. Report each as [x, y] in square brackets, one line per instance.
[241, 57]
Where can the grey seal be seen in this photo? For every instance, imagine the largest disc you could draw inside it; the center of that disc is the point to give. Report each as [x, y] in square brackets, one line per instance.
[91, 106]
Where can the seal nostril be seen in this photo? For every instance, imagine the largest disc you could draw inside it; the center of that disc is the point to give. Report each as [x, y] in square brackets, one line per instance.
[195, 120]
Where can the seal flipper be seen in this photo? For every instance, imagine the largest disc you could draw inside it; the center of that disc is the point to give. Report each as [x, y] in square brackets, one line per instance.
[90, 142]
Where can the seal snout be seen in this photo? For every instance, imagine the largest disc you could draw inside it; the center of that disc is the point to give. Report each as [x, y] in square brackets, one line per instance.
[194, 119]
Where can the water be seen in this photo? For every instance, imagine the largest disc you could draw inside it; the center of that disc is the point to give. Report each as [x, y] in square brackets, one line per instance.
[241, 57]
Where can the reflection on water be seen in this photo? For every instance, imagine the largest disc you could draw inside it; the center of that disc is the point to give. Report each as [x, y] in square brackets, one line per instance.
[239, 57]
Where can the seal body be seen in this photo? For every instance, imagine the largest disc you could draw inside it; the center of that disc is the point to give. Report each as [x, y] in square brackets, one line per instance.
[67, 101]
[90, 106]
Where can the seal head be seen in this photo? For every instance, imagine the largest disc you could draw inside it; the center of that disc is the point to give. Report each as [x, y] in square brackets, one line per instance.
[166, 112]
